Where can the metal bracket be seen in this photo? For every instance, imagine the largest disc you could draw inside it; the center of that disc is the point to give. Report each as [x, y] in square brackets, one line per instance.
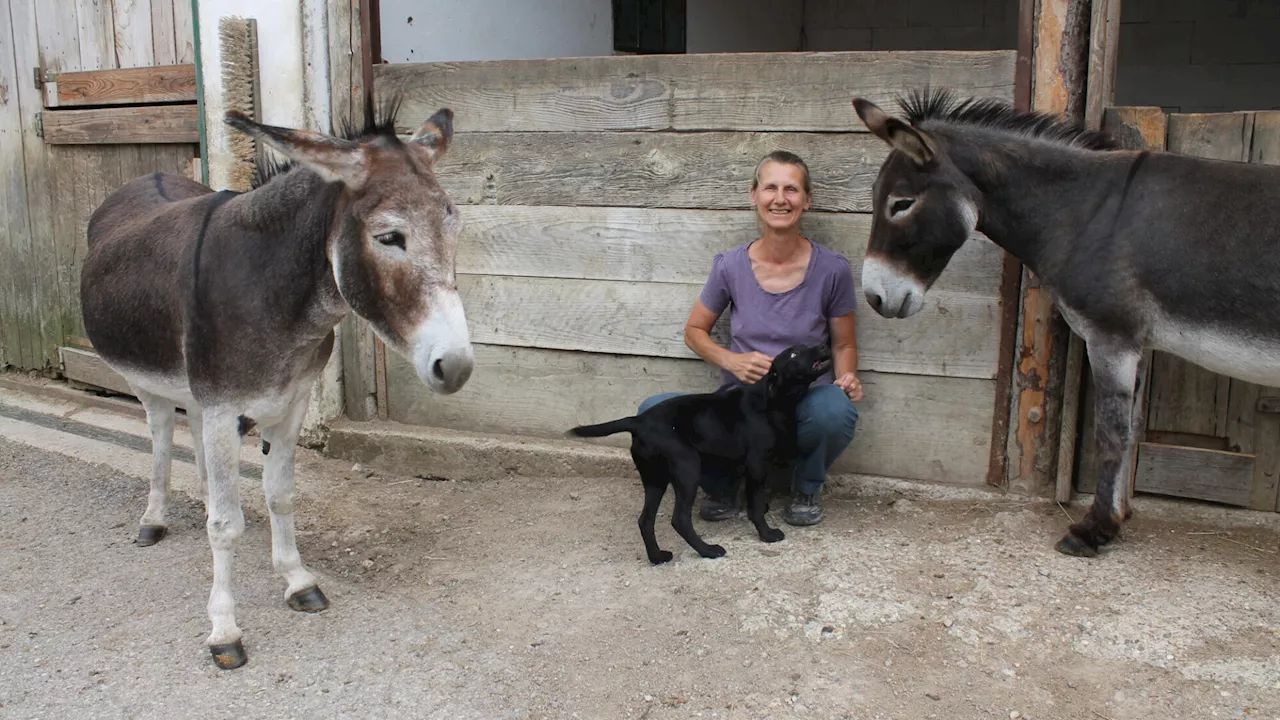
[39, 124]
[1268, 405]
[39, 75]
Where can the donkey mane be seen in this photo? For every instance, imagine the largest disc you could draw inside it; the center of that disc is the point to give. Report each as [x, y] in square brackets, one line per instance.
[944, 106]
[379, 122]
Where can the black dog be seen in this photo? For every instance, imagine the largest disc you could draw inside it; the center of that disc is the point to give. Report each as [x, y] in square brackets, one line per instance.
[745, 430]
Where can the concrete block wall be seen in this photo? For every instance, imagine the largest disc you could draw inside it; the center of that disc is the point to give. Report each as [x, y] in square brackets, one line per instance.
[1200, 55]
[910, 24]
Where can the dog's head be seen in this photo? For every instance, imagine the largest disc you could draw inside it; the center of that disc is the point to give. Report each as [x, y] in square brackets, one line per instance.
[795, 368]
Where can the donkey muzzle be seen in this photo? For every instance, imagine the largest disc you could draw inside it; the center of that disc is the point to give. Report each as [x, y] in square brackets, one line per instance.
[442, 353]
[890, 292]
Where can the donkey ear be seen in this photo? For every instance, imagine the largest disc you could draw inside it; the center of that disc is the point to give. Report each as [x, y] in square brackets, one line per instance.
[436, 133]
[332, 158]
[898, 134]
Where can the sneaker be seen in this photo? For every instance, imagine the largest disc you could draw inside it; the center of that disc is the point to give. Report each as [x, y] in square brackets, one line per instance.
[716, 509]
[804, 509]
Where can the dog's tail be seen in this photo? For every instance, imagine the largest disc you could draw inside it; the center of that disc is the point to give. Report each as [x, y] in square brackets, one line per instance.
[626, 424]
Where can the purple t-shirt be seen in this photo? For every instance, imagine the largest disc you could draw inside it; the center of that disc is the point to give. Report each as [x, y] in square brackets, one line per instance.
[771, 322]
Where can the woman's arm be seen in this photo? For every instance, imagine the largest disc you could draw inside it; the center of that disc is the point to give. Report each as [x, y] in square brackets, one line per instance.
[747, 367]
[844, 351]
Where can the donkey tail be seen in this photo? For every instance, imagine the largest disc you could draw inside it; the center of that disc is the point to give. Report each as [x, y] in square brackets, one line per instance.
[626, 424]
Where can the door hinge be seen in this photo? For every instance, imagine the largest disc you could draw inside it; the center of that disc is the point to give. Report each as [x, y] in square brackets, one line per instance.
[39, 124]
[39, 78]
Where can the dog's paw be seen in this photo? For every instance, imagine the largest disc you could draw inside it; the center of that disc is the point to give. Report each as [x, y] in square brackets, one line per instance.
[662, 557]
[772, 535]
[713, 551]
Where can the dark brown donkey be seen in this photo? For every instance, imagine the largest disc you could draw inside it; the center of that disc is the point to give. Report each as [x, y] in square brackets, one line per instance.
[1138, 250]
[225, 304]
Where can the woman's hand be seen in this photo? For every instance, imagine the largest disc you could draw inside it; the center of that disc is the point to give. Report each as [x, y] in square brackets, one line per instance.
[851, 386]
[749, 367]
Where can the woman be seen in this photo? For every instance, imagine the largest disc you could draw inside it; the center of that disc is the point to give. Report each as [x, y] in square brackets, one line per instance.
[784, 290]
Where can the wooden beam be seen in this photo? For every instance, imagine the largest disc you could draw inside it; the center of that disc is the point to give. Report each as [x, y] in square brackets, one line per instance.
[132, 125]
[86, 368]
[134, 86]
[1058, 85]
[1213, 475]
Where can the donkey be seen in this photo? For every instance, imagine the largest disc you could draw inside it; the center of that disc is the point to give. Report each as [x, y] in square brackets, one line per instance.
[225, 304]
[1138, 250]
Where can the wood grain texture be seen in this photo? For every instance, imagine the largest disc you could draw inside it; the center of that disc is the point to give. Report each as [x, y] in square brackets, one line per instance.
[133, 33]
[58, 36]
[955, 335]
[711, 170]
[666, 245]
[96, 30]
[17, 303]
[133, 86]
[909, 426]
[184, 35]
[722, 91]
[1264, 493]
[164, 49]
[98, 126]
[1213, 475]
[86, 368]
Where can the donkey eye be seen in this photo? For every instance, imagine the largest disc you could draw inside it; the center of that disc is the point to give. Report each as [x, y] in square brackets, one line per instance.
[395, 237]
[900, 206]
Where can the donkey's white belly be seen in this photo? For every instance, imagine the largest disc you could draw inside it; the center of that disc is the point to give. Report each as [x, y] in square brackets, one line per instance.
[169, 387]
[1255, 359]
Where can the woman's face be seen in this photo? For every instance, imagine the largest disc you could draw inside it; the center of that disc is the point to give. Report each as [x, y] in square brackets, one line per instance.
[780, 198]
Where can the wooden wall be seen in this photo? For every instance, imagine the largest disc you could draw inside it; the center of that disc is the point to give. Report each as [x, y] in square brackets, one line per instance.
[595, 192]
[55, 165]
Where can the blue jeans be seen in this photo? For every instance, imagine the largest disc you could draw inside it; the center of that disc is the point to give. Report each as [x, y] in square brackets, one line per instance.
[826, 419]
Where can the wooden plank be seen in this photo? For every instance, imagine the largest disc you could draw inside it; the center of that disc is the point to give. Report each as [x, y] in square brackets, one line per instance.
[96, 30]
[1213, 475]
[340, 81]
[1220, 136]
[1104, 43]
[1137, 127]
[184, 33]
[99, 126]
[58, 37]
[710, 170]
[944, 421]
[1266, 137]
[133, 33]
[1264, 493]
[359, 380]
[720, 91]
[955, 335]
[66, 223]
[133, 86]
[16, 303]
[39, 274]
[666, 245]
[164, 50]
[86, 368]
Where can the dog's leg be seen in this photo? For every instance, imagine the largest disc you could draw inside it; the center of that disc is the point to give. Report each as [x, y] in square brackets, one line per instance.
[757, 500]
[652, 499]
[685, 471]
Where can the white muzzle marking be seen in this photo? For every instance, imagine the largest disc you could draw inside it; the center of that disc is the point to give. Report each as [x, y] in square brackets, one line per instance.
[442, 352]
[890, 292]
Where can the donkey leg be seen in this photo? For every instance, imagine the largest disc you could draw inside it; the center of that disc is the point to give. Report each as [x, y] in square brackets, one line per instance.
[160, 413]
[302, 592]
[225, 525]
[195, 421]
[1115, 373]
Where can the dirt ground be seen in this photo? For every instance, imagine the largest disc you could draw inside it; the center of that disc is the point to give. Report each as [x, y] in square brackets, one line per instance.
[531, 598]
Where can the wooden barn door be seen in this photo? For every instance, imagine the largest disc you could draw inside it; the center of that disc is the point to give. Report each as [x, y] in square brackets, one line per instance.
[116, 84]
[1205, 436]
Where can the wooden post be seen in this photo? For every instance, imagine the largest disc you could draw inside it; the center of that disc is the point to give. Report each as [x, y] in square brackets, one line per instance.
[1104, 32]
[1060, 68]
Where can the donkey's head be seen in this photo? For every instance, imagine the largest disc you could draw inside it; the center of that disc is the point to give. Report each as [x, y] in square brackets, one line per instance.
[923, 209]
[393, 242]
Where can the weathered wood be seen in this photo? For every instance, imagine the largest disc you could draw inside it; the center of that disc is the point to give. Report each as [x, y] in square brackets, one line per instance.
[722, 91]
[909, 426]
[663, 245]
[340, 81]
[184, 32]
[38, 276]
[1264, 493]
[98, 126]
[58, 37]
[359, 381]
[1213, 475]
[1104, 43]
[1060, 71]
[96, 30]
[86, 368]
[134, 86]
[1266, 137]
[955, 335]
[1220, 136]
[16, 303]
[133, 33]
[710, 170]
[164, 50]
[1137, 127]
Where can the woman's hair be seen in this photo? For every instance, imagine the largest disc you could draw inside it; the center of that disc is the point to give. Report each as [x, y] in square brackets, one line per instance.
[786, 158]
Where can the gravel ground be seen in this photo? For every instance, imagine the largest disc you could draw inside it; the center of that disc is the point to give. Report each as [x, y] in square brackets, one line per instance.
[531, 598]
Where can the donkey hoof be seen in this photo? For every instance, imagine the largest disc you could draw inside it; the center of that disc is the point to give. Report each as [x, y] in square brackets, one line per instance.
[1072, 545]
[149, 535]
[229, 656]
[309, 600]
